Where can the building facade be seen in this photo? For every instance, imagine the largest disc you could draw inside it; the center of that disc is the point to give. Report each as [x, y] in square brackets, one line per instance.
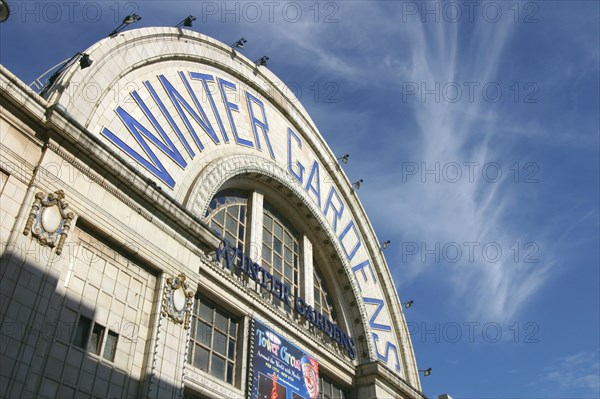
[174, 225]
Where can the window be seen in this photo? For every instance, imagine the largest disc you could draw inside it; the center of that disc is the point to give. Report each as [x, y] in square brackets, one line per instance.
[110, 347]
[81, 336]
[95, 342]
[330, 390]
[91, 337]
[280, 250]
[214, 340]
[323, 302]
[227, 216]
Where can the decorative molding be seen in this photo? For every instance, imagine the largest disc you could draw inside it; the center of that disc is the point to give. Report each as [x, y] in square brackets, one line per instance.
[50, 220]
[178, 300]
[219, 171]
[155, 367]
[110, 188]
[188, 343]
[251, 346]
[99, 179]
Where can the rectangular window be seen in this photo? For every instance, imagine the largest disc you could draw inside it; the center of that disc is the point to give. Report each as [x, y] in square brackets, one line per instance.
[110, 346]
[330, 390]
[214, 340]
[93, 338]
[96, 339]
[80, 338]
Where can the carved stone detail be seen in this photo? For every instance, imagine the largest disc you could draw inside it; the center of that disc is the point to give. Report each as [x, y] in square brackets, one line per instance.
[50, 220]
[178, 300]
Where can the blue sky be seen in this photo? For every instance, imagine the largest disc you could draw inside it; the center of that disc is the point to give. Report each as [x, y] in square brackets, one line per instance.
[475, 126]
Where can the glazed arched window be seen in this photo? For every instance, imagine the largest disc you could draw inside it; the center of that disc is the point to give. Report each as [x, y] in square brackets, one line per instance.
[280, 249]
[227, 216]
[323, 302]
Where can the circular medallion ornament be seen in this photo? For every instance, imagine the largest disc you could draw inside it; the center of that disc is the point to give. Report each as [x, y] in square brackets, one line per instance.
[51, 219]
[177, 300]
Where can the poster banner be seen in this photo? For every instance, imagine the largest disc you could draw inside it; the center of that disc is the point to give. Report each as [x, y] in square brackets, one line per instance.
[279, 370]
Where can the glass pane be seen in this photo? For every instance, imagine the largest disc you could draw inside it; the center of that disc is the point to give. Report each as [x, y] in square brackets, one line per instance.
[278, 230]
[230, 373]
[267, 221]
[110, 346]
[289, 273]
[277, 247]
[96, 339]
[230, 237]
[221, 320]
[80, 338]
[220, 343]
[243, 214]
[231, 225]
[241, 232]
[193, 329]
[220, 217]
[277, 262]
[205, 312]
[288, 239]
[203, 333]
[288, 256]
[231, 350]
[266, 254]
[217, 367]
[266, 236]
[234, 211]
[233, 329]
[217, 229]
[201, 358]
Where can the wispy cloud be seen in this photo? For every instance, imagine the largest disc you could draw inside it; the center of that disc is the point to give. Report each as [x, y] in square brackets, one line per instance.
[374, 49]
[577, 374]
[438, 213]
[426, 55]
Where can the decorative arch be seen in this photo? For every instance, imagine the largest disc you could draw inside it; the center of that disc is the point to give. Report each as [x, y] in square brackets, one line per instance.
[233, 169]
[239, 169]
[136, 56]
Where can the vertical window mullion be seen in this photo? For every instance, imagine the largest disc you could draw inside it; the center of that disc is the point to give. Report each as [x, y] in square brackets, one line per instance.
[256, 225]
[307, 271]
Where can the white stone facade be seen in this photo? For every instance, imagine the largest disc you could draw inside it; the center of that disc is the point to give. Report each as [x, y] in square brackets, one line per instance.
[138, 222]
